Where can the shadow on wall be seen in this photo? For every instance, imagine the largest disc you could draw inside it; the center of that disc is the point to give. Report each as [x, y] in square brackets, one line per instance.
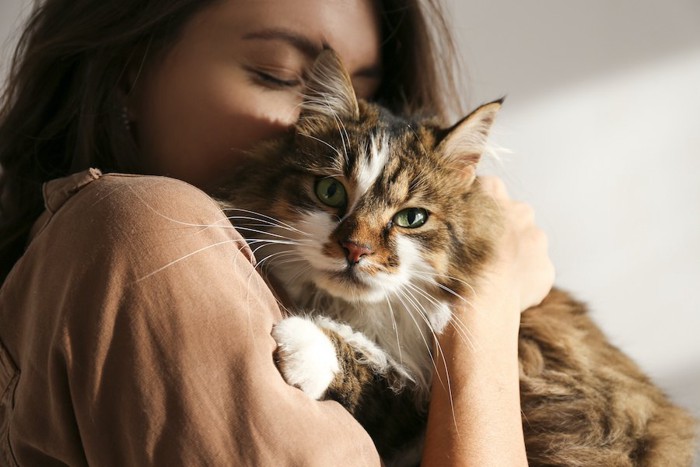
[684, 389]
[12, 13]
[527, 48]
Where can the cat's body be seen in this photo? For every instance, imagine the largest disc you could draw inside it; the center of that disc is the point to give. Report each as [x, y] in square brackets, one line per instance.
[373, 226]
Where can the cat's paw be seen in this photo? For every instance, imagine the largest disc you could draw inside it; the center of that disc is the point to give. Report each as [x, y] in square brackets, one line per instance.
[305, 355]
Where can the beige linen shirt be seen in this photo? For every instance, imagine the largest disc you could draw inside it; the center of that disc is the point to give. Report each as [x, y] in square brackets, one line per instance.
[135, 331]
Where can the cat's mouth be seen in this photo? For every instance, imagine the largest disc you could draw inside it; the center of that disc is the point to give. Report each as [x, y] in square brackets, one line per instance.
[350, 284]
[351, 275]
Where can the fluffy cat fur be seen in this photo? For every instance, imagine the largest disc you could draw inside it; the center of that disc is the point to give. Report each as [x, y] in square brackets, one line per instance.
[373, 225]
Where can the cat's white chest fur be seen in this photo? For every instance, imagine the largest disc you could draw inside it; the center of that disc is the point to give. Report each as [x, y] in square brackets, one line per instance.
[403, 329]
[397, 310]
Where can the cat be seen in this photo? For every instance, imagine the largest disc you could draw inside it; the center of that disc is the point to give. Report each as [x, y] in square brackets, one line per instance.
[372, 226]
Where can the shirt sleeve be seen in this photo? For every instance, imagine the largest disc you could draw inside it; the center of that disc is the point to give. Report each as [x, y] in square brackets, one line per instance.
[164, 339]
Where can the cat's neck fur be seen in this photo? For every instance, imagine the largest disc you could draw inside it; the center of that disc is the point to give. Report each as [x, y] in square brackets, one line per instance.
[403, 325]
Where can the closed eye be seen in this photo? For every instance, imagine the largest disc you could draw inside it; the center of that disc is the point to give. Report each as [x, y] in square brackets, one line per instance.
[272, 81]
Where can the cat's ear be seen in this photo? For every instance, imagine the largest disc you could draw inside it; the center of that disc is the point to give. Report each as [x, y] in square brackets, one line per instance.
[328, 92]
[464, 142]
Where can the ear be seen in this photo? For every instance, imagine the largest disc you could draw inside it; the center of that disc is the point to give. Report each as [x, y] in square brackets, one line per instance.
[328, 92]
[465, 141]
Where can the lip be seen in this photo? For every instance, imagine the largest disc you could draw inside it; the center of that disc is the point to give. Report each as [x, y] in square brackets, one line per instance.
[349, 275]
[350, 284]
[349, 279]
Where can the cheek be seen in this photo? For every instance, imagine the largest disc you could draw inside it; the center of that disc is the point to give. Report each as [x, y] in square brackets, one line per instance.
[248, 118]
[237, 106]
[409, 255]
[197, 133]
[416, 262]
[317, 227]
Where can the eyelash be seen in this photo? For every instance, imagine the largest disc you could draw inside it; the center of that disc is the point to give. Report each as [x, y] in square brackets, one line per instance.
[271, 81]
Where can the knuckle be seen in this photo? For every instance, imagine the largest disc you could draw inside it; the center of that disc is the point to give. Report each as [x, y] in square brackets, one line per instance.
[551, 274]
[494, 186]
[526, 210]
[541, 237]
[523, 213]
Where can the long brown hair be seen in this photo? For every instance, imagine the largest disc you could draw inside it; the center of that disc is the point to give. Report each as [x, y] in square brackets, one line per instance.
[62, 106]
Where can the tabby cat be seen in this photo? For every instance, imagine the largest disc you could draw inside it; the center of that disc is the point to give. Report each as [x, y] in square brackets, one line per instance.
[373, 226]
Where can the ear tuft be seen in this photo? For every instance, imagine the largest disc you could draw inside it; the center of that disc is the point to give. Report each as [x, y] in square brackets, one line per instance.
[328, 91]
[464, 142]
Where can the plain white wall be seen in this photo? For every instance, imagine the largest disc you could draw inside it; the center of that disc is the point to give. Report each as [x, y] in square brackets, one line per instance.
[603, 121]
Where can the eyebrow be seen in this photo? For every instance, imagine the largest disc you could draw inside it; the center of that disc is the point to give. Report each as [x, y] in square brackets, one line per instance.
[306, 46]
[298, 41]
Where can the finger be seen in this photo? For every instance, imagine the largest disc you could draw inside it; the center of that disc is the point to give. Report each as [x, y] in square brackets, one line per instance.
[494, 186]
[523, 212]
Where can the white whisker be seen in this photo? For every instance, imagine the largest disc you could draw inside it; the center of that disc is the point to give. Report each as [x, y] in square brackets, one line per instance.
[459, 326]
[182, 258]
[284, 239]
[440, 352]
[235, 220]
[272, 219]
[307, 135]
[394, 325]
[401, 295]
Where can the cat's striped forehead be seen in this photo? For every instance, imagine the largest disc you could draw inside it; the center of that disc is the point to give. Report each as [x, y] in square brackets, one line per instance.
[365, 169]
[383, 159]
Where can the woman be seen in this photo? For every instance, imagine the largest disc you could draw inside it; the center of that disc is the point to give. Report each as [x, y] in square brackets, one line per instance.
[134, 331]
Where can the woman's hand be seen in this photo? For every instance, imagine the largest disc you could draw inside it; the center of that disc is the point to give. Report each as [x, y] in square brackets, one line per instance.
[474, 416]
[521, 267]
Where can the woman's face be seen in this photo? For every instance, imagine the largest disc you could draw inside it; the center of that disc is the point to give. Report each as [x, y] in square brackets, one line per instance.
[234, 76]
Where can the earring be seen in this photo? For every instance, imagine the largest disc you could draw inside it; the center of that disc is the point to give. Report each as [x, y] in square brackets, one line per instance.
[125, 119]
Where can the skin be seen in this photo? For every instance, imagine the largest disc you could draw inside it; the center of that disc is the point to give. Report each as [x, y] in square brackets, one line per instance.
[484, 391]
[247, 59]
[233, 79]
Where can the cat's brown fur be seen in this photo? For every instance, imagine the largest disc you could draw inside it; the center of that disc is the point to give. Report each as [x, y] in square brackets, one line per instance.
[583, 401]
[605, 410]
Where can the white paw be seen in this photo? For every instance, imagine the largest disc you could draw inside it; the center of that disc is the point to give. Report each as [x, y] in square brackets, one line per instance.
[306, 357]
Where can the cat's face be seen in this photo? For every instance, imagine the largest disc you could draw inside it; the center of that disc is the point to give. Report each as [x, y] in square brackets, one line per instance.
[365, 205]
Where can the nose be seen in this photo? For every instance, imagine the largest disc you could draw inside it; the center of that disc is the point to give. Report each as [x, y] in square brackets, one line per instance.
[353, 251]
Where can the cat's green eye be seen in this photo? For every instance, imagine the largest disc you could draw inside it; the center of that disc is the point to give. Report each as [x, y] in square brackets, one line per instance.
[331, 192]
[411, 218]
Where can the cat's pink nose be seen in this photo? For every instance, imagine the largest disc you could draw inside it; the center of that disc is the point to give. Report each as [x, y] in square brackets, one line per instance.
[353, 251]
